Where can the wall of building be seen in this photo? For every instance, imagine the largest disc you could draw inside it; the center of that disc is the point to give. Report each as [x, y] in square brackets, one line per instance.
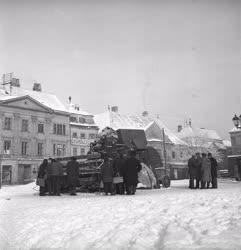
[15, 158]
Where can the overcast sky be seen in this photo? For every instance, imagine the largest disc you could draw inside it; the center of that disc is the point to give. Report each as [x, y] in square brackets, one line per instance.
[174, 58]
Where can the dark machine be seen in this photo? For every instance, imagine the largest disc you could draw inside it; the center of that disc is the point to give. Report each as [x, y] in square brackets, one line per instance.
[111, 142]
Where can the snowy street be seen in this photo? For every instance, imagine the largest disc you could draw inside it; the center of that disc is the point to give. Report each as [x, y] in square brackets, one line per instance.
[174, 218]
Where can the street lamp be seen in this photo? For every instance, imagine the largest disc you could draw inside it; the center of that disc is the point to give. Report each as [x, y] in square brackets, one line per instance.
[236, 120]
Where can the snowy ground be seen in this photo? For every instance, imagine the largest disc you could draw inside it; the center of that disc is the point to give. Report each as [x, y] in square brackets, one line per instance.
[174, 218]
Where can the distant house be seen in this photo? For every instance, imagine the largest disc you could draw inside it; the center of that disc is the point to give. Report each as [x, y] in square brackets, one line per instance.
[204, 140]
[83, 129]
[176, 149]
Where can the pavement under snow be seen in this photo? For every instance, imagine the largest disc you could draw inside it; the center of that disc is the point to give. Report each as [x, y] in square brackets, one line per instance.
[173, 218]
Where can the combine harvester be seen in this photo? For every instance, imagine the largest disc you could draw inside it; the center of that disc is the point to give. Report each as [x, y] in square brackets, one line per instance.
[112, 142]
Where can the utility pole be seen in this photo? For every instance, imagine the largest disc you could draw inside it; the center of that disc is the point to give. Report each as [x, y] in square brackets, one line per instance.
[164, 151]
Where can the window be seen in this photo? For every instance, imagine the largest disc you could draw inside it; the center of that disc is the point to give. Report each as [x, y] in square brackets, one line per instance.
[59, 129]
[82, 120]
[173, 155]
[59, 149]
[73, 119]
[92, 136]
[41, 128]
[82, 136]
[181, 154]
[82, 151]
[24, 148]
[74, 135]
[40, 149]
[7, 123]
[75, 151]
[24, 125]
[7, 147]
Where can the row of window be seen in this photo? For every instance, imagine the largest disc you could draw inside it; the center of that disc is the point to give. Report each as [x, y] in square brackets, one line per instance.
[58, 129]
[174, 154]
[81, 120]
[58, 149]
[84, 136]
[75, 151]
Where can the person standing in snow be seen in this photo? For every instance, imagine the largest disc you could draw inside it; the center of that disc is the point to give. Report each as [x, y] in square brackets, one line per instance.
[131, 169]
[191, 171]
[118, 165]
[214, 173]
[50, 177]
[198, 166]
[72, 175]
[107, 174]
[57, 173]
[42, 173]
[206, 171]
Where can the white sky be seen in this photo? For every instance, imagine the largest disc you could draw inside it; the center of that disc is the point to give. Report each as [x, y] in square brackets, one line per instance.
[176, 58]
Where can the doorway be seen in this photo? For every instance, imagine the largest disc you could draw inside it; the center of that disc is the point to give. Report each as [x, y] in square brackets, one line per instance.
[24, 173]
[6, 174]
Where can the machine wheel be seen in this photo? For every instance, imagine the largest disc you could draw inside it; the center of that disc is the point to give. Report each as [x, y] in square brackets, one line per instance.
[166, 182]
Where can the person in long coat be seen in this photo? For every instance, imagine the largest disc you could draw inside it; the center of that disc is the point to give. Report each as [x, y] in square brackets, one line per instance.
[107, 174]
[192, 171]
[206, 172]
[131, 169]
[42, 173]
[57, 173]
[72, 175]
[118, 166]
[198, 166]
[214, 166]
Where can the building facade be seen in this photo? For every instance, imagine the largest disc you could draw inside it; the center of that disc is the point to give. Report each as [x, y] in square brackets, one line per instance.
[33, 126]
[83, 130]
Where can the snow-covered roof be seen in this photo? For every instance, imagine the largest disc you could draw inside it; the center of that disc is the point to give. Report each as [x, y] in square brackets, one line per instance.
[198, 132]
[116, 121]
[49, 100]
[75, 109]
[227, 143]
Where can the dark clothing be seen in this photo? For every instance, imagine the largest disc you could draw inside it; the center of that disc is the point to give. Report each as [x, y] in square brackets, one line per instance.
[42, 173]
[107, 172]
[214, 166]
[131, 189]
[118, 166]
[72, 175]
[198, 165]
[130, 171]
[204, 183]
[108, 187]
[206, 170]
[119, 188]
[192, 171]
[55, 173]
[192, 168]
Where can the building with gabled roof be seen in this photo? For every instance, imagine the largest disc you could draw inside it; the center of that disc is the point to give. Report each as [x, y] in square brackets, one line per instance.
[33, 125]
[83, 129]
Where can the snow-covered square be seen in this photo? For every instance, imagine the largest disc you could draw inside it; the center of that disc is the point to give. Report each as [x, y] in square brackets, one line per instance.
[173, 218]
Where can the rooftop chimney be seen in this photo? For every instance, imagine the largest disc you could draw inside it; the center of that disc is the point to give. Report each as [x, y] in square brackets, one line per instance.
[145, 113]
[114, 109]
[37, 87]
[179, 128]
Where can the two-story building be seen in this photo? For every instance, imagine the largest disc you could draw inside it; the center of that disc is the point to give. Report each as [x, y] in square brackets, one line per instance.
[33, 125]
[83, 129]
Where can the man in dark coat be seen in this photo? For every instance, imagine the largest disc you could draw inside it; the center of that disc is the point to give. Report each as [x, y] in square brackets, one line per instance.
[72, 175]
[118, 166]
[42, 173]
[107, 174]
[131, 168]
[206, 171]
[214, 166]
[192, 171]
[198, 166]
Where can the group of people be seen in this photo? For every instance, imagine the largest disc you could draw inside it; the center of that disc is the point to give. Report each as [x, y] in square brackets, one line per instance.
[121, 175]
[202, 170]
[50, 174]
[118, 176]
